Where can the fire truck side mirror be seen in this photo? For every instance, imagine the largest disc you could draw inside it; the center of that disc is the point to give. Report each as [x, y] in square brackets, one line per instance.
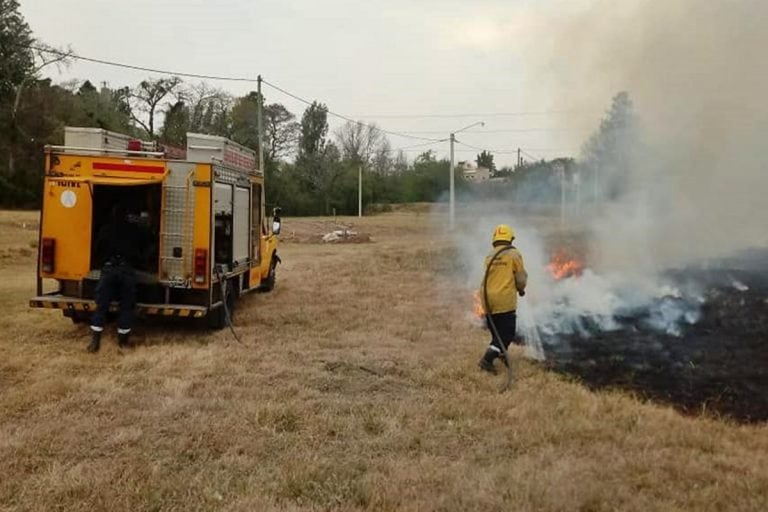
[276, 222]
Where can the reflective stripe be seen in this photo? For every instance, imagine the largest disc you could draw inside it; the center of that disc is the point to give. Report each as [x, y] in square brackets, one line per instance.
[123, 331]
[96, 328]
[494, 347]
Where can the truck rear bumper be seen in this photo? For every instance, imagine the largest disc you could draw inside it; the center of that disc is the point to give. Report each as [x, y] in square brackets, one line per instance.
[55, 301]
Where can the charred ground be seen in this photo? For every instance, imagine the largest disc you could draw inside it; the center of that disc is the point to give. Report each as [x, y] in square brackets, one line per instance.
[718, 365]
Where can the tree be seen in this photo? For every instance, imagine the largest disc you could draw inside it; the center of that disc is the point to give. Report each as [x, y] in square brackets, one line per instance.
[42, 115]
[103, 108]
[281, 130]
[313, 130]
[146, 99]
[607, 154]
[485, 159]
[16, 57]
[245, 120]
[361, 143]
[318, 160]
[176, 124]
[21, 60]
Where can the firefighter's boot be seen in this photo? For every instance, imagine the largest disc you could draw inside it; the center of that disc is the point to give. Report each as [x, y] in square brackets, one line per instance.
[486, 363]
[95, 344]
[123, 339]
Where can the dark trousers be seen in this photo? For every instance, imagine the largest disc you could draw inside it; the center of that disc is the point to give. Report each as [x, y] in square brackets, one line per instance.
[117, 282]
[506, 325]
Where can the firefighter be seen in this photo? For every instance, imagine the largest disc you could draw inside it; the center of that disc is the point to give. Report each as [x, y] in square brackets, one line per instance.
[505, 278]
[118, 251]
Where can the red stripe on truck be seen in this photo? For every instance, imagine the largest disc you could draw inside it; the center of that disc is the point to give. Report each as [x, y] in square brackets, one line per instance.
[106, 166]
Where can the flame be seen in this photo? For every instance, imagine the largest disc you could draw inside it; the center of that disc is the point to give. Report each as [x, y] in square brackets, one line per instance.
[477, 309]
[563, 265]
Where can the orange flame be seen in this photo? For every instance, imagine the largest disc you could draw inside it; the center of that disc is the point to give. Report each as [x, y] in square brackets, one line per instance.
[563, 266]
[478, 309]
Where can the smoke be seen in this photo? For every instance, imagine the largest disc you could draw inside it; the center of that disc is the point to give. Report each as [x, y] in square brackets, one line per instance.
[582, 305]
[697, 75]
[696, 174]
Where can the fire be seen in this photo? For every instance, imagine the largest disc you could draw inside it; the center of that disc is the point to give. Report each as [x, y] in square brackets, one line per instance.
[478, 306]
[564, 265]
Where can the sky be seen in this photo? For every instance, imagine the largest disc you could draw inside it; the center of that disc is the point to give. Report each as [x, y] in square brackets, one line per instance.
[384, 62]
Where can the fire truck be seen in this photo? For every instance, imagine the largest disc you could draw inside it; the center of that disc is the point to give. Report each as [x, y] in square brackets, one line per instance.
[202, 207]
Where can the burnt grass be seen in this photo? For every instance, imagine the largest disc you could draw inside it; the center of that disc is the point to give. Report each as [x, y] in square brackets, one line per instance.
[718, 366]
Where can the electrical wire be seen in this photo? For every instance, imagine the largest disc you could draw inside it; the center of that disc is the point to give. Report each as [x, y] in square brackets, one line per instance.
[479, 132]
[347, 118]
[137, 68]
[407, 135]
[509, 151]
[410, 148]
[467, 114]
[223, 78]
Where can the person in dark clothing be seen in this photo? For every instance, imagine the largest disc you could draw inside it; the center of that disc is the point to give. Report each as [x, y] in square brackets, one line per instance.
[119, 246]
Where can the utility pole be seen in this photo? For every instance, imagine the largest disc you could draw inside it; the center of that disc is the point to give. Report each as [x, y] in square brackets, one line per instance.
[452, 207]
[360, 191]
[519, 162]
[260, 126]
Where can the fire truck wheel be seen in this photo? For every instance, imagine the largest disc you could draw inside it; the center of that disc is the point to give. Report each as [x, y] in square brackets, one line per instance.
[269, 283]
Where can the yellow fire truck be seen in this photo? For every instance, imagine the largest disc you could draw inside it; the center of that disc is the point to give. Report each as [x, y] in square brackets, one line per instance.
[203, 207]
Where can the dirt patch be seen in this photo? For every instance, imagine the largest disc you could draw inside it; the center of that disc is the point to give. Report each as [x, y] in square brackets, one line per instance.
[345, 236]
[309, 231]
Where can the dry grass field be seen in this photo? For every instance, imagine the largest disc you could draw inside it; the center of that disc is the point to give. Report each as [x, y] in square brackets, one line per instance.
[354, 388]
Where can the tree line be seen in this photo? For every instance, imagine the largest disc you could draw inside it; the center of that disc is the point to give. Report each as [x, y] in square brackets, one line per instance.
[309, 169]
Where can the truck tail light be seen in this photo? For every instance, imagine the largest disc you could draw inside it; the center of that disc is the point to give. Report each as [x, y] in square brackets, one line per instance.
[201, 267]
[48, 254]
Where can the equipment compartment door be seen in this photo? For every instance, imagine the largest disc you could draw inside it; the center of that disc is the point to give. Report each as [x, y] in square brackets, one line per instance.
[241, 230]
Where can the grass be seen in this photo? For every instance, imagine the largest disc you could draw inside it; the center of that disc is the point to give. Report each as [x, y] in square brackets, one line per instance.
[355, 388]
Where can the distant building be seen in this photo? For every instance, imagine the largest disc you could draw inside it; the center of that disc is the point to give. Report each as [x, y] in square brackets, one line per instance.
[473, 173]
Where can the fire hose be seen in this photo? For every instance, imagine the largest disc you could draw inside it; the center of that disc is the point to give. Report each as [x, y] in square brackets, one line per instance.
[227, 313]
[492, 326]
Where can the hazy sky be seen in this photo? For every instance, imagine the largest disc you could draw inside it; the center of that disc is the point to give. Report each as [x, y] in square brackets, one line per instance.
[365, 59]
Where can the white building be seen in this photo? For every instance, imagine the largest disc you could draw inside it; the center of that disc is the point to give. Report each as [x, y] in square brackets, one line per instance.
[473, 173]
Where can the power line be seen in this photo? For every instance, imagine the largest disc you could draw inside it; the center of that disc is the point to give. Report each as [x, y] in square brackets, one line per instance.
[480, 132]
[138, 68]
[224, 78]
[468, 114]
[346, 118]
[410, 148]
[511, 151]
[407, 135]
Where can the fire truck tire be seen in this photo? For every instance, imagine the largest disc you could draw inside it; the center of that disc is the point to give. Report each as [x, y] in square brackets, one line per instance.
[269, 283]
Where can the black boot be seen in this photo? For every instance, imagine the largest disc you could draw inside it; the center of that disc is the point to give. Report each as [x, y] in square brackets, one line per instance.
[486, 363]
[123, 340]
[95, 344]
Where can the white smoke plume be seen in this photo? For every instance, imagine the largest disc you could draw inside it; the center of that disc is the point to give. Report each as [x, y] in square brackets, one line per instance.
[582, 305]
[697, 75]
[698, 174]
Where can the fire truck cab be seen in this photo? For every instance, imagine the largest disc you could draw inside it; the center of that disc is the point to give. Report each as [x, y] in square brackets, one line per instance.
[202, 207]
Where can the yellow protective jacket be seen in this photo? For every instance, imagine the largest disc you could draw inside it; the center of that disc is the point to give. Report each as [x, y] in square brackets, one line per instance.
[506, 278]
